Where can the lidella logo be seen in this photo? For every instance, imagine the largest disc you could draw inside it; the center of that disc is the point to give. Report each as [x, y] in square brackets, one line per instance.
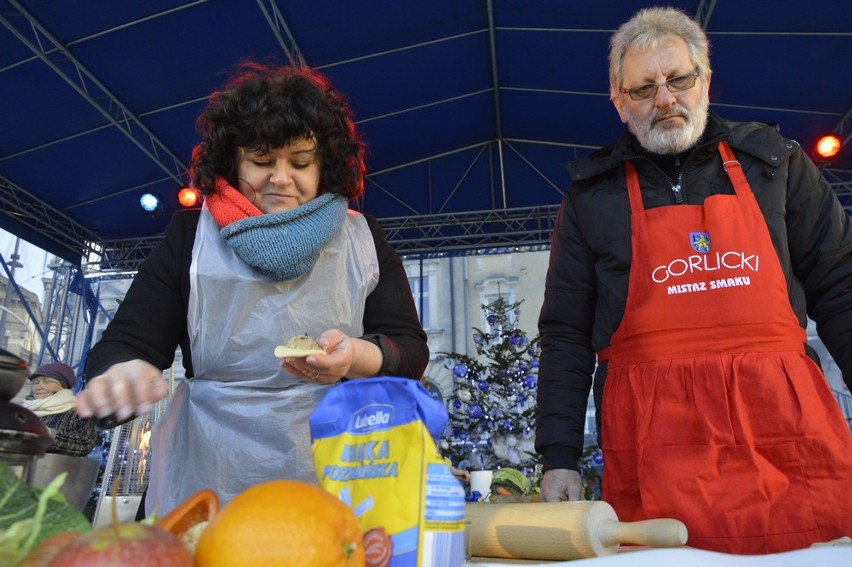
[700, 241]
[371, 418]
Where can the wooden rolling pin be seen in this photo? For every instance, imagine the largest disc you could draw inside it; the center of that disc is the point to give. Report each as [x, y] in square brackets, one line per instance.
[559, 531]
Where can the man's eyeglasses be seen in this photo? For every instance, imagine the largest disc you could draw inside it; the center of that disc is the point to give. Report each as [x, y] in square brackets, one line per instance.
[675, 84]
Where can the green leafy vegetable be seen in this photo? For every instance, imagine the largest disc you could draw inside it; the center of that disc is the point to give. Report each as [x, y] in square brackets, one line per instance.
[513, 480]
[29, 515]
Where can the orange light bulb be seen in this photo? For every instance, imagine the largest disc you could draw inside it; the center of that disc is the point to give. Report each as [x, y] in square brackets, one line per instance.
[188, 197]
[828, 146]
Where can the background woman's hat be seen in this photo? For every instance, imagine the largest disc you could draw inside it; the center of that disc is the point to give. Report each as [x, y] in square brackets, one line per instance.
[58, 371]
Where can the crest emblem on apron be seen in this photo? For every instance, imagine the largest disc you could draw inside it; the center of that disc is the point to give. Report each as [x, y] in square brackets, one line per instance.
[700, 241]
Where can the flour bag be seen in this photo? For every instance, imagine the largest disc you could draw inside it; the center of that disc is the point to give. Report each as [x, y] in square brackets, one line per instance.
[374, 447]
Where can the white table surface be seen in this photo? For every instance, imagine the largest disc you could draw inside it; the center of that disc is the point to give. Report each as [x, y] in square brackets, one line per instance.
[828, 556]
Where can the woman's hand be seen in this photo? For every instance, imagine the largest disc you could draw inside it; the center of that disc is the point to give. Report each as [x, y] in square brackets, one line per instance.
[347, 357]
[462, 474]
[125, 390]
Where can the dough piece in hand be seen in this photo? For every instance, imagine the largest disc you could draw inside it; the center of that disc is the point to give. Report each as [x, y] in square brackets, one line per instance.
[299, 346]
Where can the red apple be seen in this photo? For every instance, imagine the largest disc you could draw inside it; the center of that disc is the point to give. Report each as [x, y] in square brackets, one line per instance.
[131, 543]
[42, 555]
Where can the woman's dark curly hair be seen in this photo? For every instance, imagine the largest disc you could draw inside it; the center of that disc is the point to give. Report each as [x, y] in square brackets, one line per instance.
[264, 107]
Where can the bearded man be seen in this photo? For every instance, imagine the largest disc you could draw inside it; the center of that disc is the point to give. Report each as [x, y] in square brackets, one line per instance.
[687, 257]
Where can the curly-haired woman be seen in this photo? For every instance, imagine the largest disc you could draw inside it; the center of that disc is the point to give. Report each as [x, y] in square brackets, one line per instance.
[274, 252]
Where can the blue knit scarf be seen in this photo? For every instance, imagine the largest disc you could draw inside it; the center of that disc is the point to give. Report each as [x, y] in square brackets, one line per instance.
[285, 245]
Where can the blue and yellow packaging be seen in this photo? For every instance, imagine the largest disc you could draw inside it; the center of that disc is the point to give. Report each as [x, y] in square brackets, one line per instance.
[373, 444]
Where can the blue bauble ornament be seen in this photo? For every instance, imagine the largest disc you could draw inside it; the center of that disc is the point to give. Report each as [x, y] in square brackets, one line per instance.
[507, 424]
[460, 370]
[534, 363]
[457, 404]
[491, 319]
[521, 398]
[597, 457]
[477, 338]
[474, 411]
[463, 436]
[483, 385]
[514, 341]
[530, 382]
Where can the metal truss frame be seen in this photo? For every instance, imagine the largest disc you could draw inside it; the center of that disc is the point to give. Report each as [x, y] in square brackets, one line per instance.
[121, 255]
[62, 62]
[421, 234]
[30, 211]
[470, 230]
[68, 315]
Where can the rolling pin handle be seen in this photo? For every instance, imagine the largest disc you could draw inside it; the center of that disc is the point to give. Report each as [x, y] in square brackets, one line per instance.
[662, 532]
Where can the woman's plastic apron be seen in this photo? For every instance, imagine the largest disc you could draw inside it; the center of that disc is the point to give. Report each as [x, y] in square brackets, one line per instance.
[712, 412]
[242, 420]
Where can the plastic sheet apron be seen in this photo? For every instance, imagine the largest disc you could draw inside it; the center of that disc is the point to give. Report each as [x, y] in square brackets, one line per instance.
[242, 420]
[712, 412]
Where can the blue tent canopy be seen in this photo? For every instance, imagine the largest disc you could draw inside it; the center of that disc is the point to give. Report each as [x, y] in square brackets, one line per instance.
[469, 107]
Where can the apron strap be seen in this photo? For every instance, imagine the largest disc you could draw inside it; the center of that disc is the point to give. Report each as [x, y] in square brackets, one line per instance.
[734, 170]
[636, 206]
[633, 191]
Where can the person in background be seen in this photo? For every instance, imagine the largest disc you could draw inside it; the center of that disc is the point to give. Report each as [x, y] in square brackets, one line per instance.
[273, 253]
[52, 399]
[688, 256]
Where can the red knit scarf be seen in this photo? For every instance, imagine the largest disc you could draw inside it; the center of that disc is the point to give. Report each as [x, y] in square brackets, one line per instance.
[227, 205]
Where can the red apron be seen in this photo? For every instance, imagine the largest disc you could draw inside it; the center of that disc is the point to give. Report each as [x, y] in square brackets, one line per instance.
[712, 412]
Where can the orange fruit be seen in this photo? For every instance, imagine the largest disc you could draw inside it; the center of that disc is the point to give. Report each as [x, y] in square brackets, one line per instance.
[282, 522]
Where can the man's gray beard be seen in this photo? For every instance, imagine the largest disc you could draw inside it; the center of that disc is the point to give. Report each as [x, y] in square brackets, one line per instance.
[668, 141]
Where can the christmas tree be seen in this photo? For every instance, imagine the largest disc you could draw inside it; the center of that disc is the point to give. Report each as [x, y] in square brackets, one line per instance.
[591, 471]
[492, 407]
